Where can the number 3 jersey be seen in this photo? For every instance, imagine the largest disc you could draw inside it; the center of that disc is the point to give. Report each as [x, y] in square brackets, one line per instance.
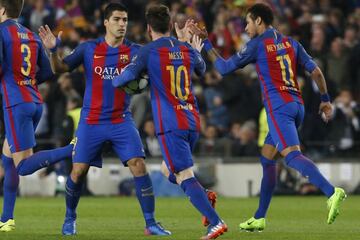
[169, 64]
[277, 58]
[23, 64]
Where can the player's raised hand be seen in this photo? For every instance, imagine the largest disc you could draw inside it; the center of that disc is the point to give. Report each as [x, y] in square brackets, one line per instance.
[326, 111]
[197, 43]
[200, 31]
[185, 33]
[47, 37]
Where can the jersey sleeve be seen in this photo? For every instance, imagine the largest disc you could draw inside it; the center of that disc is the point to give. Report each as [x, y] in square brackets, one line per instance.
[44, 68]
[76, 57]
[133, 70]
[239, 60]
[200, 65]
[1, 50]
[305, 60]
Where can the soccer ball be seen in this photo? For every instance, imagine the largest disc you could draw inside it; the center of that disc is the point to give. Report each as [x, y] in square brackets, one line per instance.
[138, 85]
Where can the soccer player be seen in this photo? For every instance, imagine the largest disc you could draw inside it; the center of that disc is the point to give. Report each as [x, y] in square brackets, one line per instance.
[23, 65]
[277, 58]
[105, 115]
[169, 64]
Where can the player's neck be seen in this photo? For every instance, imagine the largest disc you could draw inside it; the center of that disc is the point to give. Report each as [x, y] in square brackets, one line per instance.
[156, 36]
[112, 41]
[4, 18]
[263, 28]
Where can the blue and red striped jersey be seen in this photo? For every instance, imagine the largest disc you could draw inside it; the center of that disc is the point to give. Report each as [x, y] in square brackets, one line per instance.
[23, 63]
[169, 64]
[277, 58]
[103, 103]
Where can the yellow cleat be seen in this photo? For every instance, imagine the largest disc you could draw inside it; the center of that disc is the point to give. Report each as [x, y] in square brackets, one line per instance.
[253, 225]
[7, 226]
[333, 204]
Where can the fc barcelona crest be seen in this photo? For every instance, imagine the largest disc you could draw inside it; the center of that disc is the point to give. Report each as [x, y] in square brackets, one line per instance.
[124, 58]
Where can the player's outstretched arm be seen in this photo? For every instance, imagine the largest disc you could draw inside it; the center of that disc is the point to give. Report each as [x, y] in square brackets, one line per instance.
[325, 108]
[223, 66]
[51, 43]
[127, 75]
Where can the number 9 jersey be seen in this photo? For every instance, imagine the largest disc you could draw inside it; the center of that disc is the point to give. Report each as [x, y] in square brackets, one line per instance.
[170, 64]
[23, 63]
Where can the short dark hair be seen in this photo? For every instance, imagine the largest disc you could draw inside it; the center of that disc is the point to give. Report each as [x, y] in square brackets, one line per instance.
[112, 7]
[158, 17]
[263, 11]
[13, 8]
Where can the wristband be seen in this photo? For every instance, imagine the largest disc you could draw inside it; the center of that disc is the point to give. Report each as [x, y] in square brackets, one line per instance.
[207, 45]
[54, 49]
[325, 97]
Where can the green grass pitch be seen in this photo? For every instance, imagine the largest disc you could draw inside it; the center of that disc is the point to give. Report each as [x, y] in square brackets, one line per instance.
[120, 218]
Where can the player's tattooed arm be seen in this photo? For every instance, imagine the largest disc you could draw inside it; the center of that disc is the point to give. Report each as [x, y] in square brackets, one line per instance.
[325, 109]
[51, 43]
[319, 79]
[203, 34]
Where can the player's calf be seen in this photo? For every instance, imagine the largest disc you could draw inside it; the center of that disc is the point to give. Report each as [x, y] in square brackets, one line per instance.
[212, 196]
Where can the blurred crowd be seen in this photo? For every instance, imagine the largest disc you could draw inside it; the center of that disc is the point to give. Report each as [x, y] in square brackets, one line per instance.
[231, 106]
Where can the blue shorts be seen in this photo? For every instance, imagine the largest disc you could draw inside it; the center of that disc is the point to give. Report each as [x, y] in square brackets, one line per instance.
[20, 122]
[124, 137]
[176, 147]
[283, 124]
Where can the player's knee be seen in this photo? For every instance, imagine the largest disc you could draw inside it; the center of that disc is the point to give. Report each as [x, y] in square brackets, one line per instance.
[184, 174]
[78, 174]
[137, 167]
[164, 170]
[291, 156]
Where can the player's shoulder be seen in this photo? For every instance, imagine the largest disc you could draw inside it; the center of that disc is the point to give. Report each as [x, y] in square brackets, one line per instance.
[132, 45]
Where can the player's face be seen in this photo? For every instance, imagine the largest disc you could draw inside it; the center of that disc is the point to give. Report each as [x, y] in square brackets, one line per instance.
[2, 12]
[250, 28]
[117, 24]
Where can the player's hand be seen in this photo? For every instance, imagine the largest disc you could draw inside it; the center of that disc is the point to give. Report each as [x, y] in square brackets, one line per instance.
[47, 37]
[185, 34]
[197, 43]
[201, 32]
[326, 111]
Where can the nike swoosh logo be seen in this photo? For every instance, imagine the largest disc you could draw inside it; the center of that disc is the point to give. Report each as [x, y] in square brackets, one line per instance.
[146, 189]
[96, 56]
[250, 222]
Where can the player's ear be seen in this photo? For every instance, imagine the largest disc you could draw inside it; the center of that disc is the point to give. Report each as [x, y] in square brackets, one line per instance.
[258, 21]
[149, 31]
[2, 11]
[106, 22]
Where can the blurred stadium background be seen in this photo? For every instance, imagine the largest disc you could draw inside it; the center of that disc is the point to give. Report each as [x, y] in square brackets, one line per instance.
[233, 124]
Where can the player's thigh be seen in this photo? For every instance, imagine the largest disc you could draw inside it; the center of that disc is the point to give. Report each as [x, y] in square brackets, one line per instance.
[88, 145]
[300, 115]
[37, 115]
[126, 141]
[176, 150]
[282, 126]
[19, 126]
